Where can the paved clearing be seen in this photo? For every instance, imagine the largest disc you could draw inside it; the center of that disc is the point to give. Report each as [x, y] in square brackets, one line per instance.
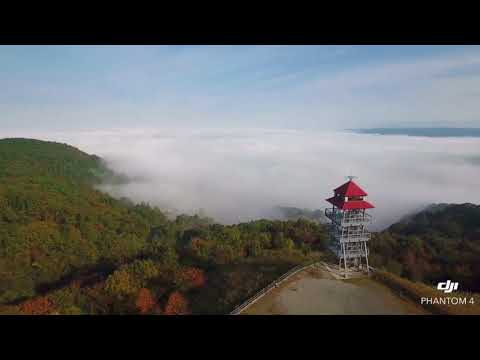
[317, 292]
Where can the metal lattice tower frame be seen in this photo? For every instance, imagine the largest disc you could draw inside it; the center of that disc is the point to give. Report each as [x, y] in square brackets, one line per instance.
[349, 236]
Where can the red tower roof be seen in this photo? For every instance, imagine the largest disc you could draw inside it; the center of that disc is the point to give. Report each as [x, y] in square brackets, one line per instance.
[340, 203]
[350, 189]
[349, 196]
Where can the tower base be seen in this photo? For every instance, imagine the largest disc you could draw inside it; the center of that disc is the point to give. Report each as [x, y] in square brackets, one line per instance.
[351, 262]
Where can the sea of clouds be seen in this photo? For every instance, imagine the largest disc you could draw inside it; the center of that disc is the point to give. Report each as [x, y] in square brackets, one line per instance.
[242, 174]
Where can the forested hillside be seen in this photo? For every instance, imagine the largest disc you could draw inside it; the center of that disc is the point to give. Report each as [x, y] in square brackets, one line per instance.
[67, 248]
[439, 243]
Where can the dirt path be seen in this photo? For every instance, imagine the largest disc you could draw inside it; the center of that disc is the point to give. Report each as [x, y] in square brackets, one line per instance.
[317, 292]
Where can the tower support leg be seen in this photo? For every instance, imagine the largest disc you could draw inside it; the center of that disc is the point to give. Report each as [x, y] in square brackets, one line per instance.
[344, 260]
[366, 258]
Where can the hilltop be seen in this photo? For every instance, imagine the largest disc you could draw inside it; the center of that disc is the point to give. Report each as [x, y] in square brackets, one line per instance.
[53, 223]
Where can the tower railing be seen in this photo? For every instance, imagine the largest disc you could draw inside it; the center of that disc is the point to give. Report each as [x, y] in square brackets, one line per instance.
[347, 232]
[365, 236]
[347, 218]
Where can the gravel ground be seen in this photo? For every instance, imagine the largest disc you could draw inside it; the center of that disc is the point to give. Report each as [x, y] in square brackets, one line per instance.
[316, 292]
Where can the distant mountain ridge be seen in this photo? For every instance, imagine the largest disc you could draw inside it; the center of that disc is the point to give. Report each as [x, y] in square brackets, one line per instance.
[426, 132]
[428, 208]
[294, 213]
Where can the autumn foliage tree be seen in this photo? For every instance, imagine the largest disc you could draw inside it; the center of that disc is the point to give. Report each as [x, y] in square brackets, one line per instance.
[195, 276]
[145, 301]
[201, 248]
[38, 306]
[176, 304]
[191, 277]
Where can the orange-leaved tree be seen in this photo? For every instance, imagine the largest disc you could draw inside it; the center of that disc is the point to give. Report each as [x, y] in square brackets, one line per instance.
[191, 277]
[145, 301]
[38, 306]
[176, 304]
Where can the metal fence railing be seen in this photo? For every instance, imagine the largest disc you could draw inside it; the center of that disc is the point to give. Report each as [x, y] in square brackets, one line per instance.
[269, 287]
[275, 283]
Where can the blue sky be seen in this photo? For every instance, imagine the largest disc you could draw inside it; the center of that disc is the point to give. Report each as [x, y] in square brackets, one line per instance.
[299, 87]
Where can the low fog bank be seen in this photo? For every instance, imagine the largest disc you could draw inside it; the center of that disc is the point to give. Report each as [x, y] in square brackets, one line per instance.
[240, 175]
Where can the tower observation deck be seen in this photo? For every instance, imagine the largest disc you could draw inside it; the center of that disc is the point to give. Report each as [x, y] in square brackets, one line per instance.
[349, 220]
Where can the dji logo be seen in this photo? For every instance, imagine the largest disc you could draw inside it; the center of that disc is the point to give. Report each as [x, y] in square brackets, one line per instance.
[448, 286]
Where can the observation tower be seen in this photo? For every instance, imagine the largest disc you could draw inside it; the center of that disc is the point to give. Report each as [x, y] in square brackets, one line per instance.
[349, 218]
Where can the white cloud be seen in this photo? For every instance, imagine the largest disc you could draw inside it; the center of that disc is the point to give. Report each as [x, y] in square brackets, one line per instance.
[240, 174]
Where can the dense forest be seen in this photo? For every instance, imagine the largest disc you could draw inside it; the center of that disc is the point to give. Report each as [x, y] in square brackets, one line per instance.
[439, 243]
[67, 248]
